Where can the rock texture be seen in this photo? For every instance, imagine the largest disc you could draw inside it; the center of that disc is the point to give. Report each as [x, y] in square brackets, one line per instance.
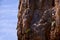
[38, 20]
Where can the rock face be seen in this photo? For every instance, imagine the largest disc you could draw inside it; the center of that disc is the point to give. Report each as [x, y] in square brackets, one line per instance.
[36, 20]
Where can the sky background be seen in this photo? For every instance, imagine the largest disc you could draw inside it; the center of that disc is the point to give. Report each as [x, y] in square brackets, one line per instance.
[8, 19]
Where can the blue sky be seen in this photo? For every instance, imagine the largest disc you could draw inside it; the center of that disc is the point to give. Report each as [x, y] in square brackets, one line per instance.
[8, 19]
